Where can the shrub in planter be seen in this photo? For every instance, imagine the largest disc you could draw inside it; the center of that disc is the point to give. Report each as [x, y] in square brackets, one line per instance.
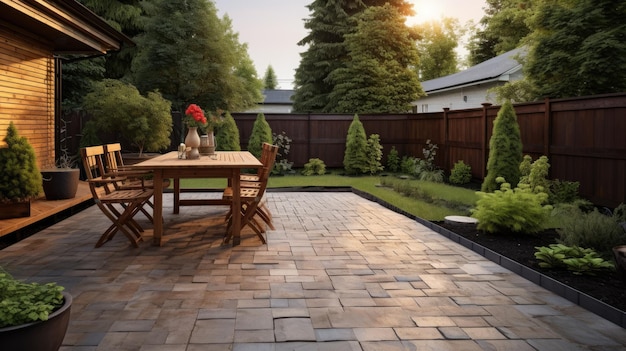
[33, 316]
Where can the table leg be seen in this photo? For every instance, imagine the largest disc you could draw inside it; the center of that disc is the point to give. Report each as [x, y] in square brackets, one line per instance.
[158, 208]
[236, 207]
[176, 195]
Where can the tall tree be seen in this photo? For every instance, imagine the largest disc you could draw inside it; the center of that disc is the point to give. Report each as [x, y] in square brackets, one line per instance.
[578, 48]
[190, 56]
[270, 81]
[505, 24]
[379, 75]
[326, 52]
[439, 39]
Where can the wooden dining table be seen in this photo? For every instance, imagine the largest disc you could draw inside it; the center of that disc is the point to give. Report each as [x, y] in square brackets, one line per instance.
[224, 164]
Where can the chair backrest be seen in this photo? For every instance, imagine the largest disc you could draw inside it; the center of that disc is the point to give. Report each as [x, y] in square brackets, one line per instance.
[114, 160]
[266, 170]
[93, 163]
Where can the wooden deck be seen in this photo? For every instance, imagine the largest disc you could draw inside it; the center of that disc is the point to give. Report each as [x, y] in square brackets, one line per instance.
[42, 209]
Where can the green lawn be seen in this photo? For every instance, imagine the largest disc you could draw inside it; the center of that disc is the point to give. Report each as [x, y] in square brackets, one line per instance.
[426, 209]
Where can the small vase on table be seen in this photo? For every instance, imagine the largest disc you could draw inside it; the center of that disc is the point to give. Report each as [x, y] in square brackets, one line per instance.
[192, 140]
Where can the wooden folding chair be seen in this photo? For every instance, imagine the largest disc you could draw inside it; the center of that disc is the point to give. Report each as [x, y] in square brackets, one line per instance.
[106, 195]
[253, 200]
[129, 178]
[265, 155]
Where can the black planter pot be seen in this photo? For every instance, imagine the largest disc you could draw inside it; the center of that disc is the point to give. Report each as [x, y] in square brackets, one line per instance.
[60, 183]
[41, 336]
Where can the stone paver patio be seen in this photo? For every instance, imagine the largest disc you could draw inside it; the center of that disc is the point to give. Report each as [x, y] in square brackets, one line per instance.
[338, 273]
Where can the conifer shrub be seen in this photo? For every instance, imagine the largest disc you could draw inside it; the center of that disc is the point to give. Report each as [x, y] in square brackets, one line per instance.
[517, 210]
[261, 133]
[355, 159]
[315, 166]
[374, 154]
[393, 160]
[593, 230]
[227, 135]
[505, 149]
[461, 173]
[20, 179]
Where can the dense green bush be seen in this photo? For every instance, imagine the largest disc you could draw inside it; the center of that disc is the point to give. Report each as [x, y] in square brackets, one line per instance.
[374, 154]
[282, 165]
[227, 135]
[562, 191]
[408, 164]
[355, 157]
[516, 210]
[23, 303]
[593, 229]
[20, 179]
[576, 259]
[261, 133]
[505, 149]
[315, 166]
[393, 160]
[461, 173]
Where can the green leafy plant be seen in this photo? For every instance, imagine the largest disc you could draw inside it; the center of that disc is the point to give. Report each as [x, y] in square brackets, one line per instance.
[461, 173]
[426, 169]
[355, 157]
[393, 160]
[374, 154]
[592, 229]
[143, 121]
[282, 165]
[22, 303]
[315, 166]
[573, 258]
[562, 191]
[517, 210]
[408, 164]
[20, 178]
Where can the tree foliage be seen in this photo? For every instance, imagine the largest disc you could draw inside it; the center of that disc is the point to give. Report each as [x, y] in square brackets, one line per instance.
[326, 49]
[378, 75]
[437, 57]
[143, 121]
[505, 150]
[192, 56]
[578, 48]
[505, 24]
[227, 135]
[269, 80]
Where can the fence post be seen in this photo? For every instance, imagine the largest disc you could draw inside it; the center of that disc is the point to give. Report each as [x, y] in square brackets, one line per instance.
[485, 142]
[547, 129]
[446, 147]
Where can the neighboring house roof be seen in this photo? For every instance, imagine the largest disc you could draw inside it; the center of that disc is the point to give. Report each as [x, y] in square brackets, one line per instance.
[495, 69]
[68, 26]
[277, 97]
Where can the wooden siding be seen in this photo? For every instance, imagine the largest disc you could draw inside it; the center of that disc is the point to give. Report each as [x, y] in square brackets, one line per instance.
[27, 92]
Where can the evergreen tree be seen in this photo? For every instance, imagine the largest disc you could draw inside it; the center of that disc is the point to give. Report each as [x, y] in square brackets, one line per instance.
[437, 57]
[261, 133]
[374, 154]
[355, 159]
[227, 136]
[578, 50]
[378, 76]
[505, 149]
[19, 174]
[326, 52]
[270, 80]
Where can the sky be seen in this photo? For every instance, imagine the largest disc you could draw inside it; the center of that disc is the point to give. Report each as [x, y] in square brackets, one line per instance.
[273, 28]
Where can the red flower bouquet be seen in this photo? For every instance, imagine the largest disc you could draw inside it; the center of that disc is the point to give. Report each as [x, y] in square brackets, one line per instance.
[194, 116]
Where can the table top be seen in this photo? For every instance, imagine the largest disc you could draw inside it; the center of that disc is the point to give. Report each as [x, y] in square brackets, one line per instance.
[221, 159]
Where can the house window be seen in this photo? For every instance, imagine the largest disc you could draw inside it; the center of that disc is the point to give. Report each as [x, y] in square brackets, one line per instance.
[424, 107]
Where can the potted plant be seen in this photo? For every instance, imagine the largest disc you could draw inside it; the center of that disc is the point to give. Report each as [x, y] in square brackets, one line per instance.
[20, 179]
[33, 316]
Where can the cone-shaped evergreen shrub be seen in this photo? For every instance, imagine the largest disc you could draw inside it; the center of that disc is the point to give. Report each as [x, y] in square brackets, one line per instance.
[19, 174]
[261, 133]
[355, 157]
[505, 149]
[374, 154]
[227, 135]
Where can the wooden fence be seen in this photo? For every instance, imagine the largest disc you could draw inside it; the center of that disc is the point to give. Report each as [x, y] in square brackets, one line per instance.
[584, 138]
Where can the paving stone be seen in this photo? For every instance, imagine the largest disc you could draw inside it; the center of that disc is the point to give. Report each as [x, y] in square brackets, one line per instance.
[293, 329]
